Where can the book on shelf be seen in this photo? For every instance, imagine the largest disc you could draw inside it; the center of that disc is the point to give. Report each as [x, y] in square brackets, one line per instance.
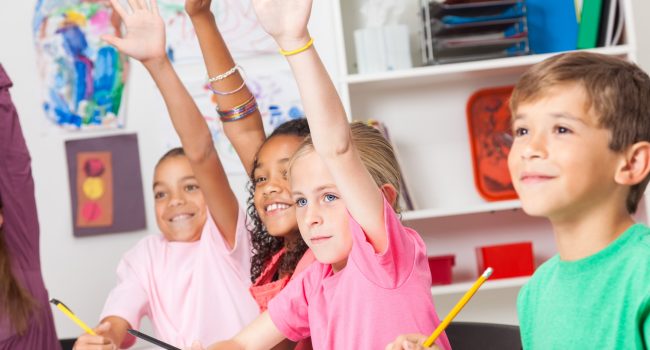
[406, 201]
[589, 23]
[612, 19]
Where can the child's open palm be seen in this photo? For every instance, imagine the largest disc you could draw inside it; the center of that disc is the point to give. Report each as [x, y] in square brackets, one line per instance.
[285, 20]
[195, 7]
[145, 31]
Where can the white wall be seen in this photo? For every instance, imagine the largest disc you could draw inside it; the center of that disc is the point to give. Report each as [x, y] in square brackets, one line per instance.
[81, 271]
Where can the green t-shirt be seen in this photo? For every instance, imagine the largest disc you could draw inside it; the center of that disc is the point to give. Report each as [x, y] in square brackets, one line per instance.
[599, 302]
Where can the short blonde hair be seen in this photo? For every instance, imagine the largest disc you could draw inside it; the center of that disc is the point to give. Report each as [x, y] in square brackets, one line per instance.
[376, 154]
[618, 92]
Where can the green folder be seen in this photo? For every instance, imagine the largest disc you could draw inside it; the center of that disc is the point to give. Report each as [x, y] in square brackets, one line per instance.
[589, 24]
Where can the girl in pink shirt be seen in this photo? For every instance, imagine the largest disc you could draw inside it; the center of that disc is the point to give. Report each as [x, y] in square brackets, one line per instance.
[278, 250]
[276, 243]
[372, 281]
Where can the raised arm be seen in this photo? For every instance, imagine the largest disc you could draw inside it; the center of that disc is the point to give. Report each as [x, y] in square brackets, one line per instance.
[286, 21]
[21, 228]
[247, 134]
[145, 41]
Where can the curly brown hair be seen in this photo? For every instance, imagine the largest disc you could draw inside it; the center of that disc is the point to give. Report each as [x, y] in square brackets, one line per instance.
[265, 245]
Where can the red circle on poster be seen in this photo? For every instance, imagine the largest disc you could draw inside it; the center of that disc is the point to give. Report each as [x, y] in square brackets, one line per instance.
[94, 167]
[91, 211]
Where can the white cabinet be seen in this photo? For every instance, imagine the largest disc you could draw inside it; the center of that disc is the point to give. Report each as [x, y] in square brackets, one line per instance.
[424, 110]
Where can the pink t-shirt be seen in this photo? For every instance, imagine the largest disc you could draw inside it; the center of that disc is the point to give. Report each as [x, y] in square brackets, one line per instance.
[375, 298]
[189, 290]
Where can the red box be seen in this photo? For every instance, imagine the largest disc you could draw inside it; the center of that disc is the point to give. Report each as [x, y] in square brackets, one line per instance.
[440, 267]
[507, 260]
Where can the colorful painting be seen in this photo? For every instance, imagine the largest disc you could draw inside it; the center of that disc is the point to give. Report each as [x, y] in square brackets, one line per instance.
[105, 185]
[83, 77]
[237, 24]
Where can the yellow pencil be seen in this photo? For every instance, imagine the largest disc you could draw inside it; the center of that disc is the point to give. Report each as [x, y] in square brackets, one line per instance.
[461, 303]
[61, 306]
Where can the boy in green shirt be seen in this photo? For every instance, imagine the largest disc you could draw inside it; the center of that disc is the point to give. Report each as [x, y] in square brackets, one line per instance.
[581, 158]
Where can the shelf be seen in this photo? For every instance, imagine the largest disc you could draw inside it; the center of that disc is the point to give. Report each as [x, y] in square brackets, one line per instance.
[461, 288]
[475, 209]
[457, 69]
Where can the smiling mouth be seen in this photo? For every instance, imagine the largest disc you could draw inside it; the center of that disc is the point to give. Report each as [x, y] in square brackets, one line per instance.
[181, 217]
[532, 179]
[276, 207]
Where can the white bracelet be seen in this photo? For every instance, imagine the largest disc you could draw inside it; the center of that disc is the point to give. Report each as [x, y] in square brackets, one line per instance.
[224, 75]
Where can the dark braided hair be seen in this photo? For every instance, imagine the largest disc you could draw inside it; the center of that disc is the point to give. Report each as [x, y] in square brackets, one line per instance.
[265, 245]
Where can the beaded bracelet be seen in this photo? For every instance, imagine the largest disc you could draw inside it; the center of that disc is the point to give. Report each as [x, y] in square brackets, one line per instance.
[236, 90]
[224, 75]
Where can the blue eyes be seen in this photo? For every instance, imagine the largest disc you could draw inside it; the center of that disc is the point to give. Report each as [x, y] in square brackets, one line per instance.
[301, 202]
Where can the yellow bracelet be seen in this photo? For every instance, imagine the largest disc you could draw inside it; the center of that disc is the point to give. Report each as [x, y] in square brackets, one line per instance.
[293, 52]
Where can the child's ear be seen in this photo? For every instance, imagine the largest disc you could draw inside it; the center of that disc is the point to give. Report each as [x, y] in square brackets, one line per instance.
[635, 166]
[390, 193]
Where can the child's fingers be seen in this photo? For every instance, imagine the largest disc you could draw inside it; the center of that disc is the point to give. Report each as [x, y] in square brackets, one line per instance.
[196, 345]
[103, 328]
[135, 4]
[119, 9]
[113, 41]
[154, 6]
[87, 341]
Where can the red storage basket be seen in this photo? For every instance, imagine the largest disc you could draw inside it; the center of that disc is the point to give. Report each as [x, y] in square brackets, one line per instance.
[440, 267]
[507, 260]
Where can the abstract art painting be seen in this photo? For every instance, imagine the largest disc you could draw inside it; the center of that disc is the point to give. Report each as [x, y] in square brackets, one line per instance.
[83, 77]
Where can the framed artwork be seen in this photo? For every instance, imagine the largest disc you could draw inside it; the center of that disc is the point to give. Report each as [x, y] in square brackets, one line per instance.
[105, 185]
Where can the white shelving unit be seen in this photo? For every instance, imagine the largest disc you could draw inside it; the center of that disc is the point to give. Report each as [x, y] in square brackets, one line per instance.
[424, 110]
[456, 288]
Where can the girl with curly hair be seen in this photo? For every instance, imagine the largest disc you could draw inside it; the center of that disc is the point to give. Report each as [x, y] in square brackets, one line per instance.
[278, 251]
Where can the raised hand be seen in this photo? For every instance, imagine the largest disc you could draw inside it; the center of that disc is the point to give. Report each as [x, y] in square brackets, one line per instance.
[197, 7]
[285, 20]
[145, 31]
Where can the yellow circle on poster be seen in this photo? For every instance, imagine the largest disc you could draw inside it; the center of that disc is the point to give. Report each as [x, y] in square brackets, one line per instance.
[93, 187]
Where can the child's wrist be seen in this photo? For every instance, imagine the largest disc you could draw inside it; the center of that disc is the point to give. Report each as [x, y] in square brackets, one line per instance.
[293, 44]
[205, 15]
[156, 63]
